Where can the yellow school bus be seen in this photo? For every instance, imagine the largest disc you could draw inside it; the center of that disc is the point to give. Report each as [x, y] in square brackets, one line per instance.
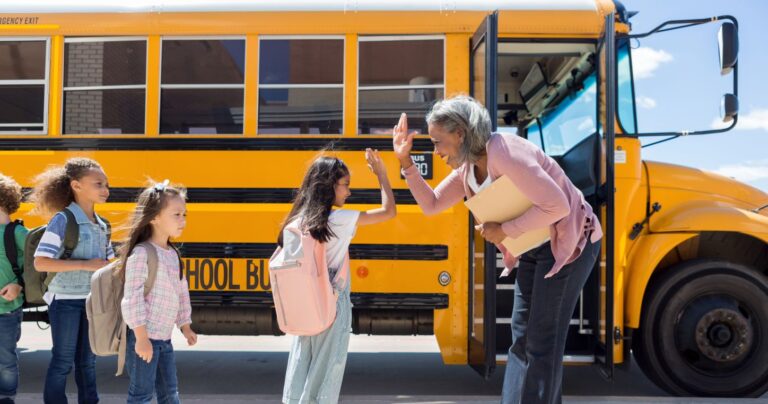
[234, 98]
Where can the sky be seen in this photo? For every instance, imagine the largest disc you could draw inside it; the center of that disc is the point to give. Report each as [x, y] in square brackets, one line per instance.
[678, 86]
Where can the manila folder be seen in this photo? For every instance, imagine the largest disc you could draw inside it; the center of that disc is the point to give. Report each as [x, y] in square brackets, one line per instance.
[503, 201]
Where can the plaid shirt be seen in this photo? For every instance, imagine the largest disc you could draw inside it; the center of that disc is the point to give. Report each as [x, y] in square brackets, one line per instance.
[168, 302]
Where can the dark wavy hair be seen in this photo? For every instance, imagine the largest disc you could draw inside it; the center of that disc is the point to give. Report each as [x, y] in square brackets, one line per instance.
[314, 200]
[10, 194]
[53, 190]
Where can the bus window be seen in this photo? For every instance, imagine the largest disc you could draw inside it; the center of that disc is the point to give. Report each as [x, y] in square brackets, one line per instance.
[301, 85]
[202, 86]
[104, 85]
[398, 74]
[626, 99]
[23, 85]
[569, 123]
[534, 136]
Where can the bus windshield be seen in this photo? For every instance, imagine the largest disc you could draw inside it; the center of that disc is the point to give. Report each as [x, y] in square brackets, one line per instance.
[558, 130]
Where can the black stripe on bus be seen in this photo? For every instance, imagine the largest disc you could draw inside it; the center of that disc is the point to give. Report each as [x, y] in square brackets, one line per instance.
[256, 195]
[402, 301]
[398, 252]
[171, 143]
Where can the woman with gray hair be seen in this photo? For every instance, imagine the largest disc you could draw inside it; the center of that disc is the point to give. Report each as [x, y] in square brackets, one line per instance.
[550, 276]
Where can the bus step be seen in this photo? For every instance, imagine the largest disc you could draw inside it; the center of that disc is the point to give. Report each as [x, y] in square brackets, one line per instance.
[508, 320]
[567, 359]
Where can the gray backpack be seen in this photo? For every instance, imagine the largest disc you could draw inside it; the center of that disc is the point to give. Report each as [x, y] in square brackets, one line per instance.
[107, 331]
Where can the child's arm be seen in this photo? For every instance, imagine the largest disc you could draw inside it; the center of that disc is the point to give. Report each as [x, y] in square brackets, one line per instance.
[134, 306]
[11, 291]
[50, 248]
[388, 208]
[45, 264]
[184, 316]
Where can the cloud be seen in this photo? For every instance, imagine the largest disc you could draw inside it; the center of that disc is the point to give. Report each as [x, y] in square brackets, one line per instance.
[585, 124]
[748, 171]
[646, 60]
[756, 119]
[646, 102]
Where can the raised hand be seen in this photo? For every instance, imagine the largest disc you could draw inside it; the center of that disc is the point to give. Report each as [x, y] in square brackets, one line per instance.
[402, 141]
[375, 163]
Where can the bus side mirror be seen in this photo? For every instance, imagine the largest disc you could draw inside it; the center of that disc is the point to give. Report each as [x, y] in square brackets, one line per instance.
[728, 46]
[729, 107]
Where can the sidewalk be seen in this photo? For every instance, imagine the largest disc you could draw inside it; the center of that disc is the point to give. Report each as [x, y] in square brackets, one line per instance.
[354, 399]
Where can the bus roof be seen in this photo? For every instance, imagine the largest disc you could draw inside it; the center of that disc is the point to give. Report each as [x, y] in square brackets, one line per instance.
[170, 6]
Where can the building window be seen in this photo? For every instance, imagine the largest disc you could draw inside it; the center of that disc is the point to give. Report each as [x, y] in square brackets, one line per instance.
[398, 74]
[301, 85]
[202, 86]
[104, 85]
[24, 85]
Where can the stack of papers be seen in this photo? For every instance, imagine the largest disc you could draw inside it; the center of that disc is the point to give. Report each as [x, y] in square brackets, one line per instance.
[503, 201]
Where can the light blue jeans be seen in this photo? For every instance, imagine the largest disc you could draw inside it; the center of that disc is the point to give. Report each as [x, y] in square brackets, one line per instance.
[316, 363]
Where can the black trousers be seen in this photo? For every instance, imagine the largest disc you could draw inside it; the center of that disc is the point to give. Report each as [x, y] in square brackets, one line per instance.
[540, 319]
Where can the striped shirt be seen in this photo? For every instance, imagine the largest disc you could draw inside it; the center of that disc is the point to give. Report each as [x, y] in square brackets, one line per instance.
[168, 302]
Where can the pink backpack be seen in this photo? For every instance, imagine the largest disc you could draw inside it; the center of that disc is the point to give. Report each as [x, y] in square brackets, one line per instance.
[304, 298]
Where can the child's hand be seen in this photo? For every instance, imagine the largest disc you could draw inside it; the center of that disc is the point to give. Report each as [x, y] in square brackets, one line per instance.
[95, 264]
[375, 163]
[144, 349]
[10, 292]
[189, 335]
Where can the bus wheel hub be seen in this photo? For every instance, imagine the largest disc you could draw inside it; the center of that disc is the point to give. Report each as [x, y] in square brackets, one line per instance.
[723, 335]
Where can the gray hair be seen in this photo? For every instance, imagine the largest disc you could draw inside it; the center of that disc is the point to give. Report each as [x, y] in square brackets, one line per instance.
[465, 115]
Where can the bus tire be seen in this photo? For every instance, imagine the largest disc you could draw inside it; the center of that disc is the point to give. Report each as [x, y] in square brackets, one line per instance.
[704, 330]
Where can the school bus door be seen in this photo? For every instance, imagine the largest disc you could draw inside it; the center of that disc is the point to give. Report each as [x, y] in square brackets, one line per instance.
[482, 258]
[482, 344]
[609, 337]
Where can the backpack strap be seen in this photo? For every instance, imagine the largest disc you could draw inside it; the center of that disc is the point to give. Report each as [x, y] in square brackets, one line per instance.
[151, 266]
[109, 233]
[11, 249]
[320, 257]
[71, 238]
[343, 272]
[71, 234]
[122, 347]
[181, 263]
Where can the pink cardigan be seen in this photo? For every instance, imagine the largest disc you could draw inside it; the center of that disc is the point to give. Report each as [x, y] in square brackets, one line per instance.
[557, 203]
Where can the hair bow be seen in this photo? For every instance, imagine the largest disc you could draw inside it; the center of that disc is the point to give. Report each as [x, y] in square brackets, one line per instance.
[161, 186]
